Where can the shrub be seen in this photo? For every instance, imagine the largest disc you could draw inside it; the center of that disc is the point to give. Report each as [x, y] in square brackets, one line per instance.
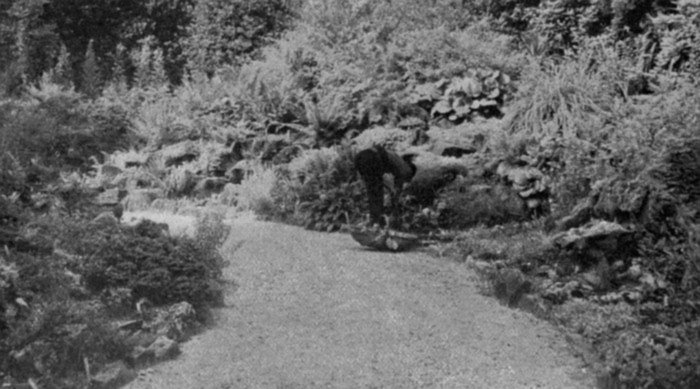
[320, 190]
[254, 192]
[466, 203]
[54, 127]
[153, 265]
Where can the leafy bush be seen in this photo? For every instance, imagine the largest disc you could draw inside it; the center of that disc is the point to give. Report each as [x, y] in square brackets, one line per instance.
[320, 190]
[54, 127]
[480, 91]
[152, 264]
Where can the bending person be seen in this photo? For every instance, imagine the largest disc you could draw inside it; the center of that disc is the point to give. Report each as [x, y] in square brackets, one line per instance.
[372, 164]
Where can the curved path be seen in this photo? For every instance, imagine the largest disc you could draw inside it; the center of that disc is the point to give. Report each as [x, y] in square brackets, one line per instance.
[316, 310]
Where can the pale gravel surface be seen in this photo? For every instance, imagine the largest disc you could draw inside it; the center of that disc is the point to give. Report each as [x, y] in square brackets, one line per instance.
[316, 310]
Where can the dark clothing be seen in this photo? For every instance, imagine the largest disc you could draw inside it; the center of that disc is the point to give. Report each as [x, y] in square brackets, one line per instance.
[372, 164]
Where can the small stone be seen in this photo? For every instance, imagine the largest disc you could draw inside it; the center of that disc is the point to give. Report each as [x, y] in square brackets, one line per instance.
[634, 272]
[109, 197]
[142, 356]
[592, 279]
[112, 376]
[164, 348]
[533, 304]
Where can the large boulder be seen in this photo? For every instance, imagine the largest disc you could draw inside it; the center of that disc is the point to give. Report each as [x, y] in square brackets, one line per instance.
[596, 241]
[466, 203]
[390, 137]
[433, 173]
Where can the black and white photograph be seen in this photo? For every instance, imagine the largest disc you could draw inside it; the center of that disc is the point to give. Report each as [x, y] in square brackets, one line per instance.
[350, 194]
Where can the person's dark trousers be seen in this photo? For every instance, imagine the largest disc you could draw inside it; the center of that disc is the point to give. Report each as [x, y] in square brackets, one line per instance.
[370, 166]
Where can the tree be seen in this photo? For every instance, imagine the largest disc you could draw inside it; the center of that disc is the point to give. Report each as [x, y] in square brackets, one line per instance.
[110, 23]
[230, 32]
[91, 81]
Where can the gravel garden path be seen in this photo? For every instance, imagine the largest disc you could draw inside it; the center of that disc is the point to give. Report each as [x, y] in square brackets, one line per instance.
[315, 310]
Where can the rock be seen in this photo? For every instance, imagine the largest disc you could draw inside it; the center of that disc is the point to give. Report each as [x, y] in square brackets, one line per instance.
[221, 158]
[112, 376]
[598, 234]
[163, 348]
[413, 123]
[129, 325]
[237, 173]
[594, 279]
[634, 272]
[118, 211]
[110, 197]
[110, 171]
[582, 213]
[181, 182]
[105, 220]
[534, 304]
[175, 322]
[466, 204]
[141, 338]
[286, 154]
[179, 153]
[519, 176]
[390, 137]
[142, 356]
[208, 186]
[139, 199]
[559, 292]
[510, 285]
[546, 271]
[457, 152]
[428, 181]
[533, 203]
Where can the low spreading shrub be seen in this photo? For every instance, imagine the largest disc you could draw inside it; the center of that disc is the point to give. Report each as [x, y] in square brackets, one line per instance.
[149, 262]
